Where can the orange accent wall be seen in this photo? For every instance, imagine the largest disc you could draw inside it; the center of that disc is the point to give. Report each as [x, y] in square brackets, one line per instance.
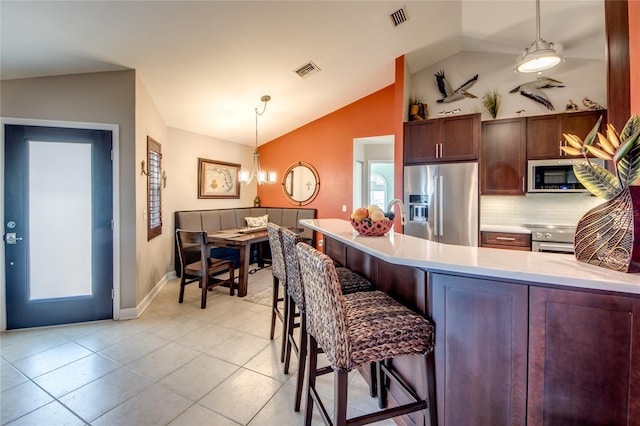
[634, 54]
[327, 144]
[398, 149]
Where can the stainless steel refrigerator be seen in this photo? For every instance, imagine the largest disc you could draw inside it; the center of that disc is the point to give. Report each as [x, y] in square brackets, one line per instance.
[442, 202]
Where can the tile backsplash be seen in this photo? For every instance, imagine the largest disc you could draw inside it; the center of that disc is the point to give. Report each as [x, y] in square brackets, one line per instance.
[553, 209]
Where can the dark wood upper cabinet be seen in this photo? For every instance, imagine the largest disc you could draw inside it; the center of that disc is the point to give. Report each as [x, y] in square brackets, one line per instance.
[503, 162]
[460, 137]
[544, 132]
[421, 138]
[581, 123]
[544, 136]
[442, 139]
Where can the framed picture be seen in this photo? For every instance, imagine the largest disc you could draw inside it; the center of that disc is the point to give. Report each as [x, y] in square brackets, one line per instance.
[217, 179]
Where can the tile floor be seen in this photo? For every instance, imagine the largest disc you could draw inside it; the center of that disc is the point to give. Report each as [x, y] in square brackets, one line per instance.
[176, 365]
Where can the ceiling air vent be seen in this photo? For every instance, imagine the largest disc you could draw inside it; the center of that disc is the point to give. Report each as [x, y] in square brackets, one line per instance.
[307, 69]
[399, 16]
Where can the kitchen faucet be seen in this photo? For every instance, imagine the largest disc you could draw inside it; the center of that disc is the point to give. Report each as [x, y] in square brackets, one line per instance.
[403, 215]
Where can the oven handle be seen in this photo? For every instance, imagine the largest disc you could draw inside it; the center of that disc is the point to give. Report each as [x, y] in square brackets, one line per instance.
[538, 246]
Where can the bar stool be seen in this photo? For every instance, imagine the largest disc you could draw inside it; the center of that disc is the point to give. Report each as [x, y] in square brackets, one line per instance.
[357, 329]
[350, 282]
[279, 277]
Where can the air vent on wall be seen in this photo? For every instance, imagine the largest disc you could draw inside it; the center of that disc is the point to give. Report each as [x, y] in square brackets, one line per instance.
[399, 16]
[307, 69]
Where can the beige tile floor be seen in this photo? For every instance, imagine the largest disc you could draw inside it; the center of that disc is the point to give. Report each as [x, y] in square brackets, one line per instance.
[176, 365]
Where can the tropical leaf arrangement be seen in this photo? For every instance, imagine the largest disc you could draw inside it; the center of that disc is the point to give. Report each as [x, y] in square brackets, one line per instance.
[621, 148]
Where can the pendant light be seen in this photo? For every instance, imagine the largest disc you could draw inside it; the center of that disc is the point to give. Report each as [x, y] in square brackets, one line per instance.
[245, 177]
[541, 55]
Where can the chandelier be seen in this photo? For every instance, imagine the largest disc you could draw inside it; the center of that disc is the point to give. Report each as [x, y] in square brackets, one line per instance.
[541, 55]
[260, 175]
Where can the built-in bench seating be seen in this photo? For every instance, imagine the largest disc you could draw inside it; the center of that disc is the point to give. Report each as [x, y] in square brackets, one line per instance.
[221, 219]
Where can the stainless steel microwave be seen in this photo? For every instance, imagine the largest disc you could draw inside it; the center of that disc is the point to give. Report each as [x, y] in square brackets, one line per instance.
[555, 175]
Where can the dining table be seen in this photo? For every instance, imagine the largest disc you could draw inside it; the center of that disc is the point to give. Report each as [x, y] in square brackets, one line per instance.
[241, 239]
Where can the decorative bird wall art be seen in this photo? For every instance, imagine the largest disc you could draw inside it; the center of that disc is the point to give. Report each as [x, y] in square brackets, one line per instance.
[571, 106]
[450, 95]
[591, 105]
[532, 90]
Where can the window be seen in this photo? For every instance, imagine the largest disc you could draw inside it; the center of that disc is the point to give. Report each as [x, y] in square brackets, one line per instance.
[154, 193]
[378, 193]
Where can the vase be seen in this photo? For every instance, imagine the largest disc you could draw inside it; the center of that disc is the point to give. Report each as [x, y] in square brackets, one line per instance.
[609, 234]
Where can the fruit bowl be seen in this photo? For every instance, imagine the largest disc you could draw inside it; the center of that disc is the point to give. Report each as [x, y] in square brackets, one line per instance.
[372, 229]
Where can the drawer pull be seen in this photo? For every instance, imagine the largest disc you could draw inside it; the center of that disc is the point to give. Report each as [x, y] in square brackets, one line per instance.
[505, 238]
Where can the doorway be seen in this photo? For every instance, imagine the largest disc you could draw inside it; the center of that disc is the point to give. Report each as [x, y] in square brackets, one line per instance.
[58, 209]
[373, 176]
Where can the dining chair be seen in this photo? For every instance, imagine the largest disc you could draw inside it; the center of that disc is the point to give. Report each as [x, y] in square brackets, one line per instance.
[205, 270]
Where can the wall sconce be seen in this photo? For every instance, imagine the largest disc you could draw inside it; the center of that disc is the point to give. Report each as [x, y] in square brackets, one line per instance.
[163, 174]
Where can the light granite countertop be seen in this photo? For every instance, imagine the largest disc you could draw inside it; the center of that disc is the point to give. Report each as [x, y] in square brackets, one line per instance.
[534, 267]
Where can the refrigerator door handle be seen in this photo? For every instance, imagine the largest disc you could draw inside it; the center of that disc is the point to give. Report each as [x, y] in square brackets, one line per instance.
[440, 206]
[436, 208]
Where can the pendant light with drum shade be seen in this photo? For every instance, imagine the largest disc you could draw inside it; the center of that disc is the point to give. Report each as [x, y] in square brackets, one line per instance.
[245, 177]
[541, 55]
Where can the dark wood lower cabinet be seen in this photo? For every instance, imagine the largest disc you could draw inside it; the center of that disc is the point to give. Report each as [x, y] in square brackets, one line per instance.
[516, 353]
[481, 350]
[584, 358]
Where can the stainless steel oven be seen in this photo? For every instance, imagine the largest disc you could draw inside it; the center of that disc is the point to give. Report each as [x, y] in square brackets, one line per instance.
[552, 238]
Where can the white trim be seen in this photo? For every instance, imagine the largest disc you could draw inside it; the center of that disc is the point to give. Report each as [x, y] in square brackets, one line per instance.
[115, 130]
[133, 313]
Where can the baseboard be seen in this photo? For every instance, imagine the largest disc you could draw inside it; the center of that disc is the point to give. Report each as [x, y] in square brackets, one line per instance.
[133, 313]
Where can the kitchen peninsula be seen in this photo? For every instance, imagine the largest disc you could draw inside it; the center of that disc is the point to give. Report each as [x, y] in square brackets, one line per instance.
[521, 337]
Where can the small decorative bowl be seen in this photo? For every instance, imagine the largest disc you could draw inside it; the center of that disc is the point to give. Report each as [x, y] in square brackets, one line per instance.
[372, 229]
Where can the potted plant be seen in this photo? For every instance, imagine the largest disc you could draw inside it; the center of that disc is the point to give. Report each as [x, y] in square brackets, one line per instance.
[491, 101]
[609, 234]
[417, 109]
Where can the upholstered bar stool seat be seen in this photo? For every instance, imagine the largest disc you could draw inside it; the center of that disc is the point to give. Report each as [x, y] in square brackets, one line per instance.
[380, 328]
[350, 282]
[358, 329]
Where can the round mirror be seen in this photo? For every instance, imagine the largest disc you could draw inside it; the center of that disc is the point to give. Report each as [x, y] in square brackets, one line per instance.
[301, 183]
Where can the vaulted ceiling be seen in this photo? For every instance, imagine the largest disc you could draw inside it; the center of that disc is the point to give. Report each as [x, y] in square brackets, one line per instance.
[207, 63]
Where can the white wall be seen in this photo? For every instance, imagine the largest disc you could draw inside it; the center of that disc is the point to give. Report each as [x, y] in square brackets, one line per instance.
[181, 161]
[581, 78]
[152, 257]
